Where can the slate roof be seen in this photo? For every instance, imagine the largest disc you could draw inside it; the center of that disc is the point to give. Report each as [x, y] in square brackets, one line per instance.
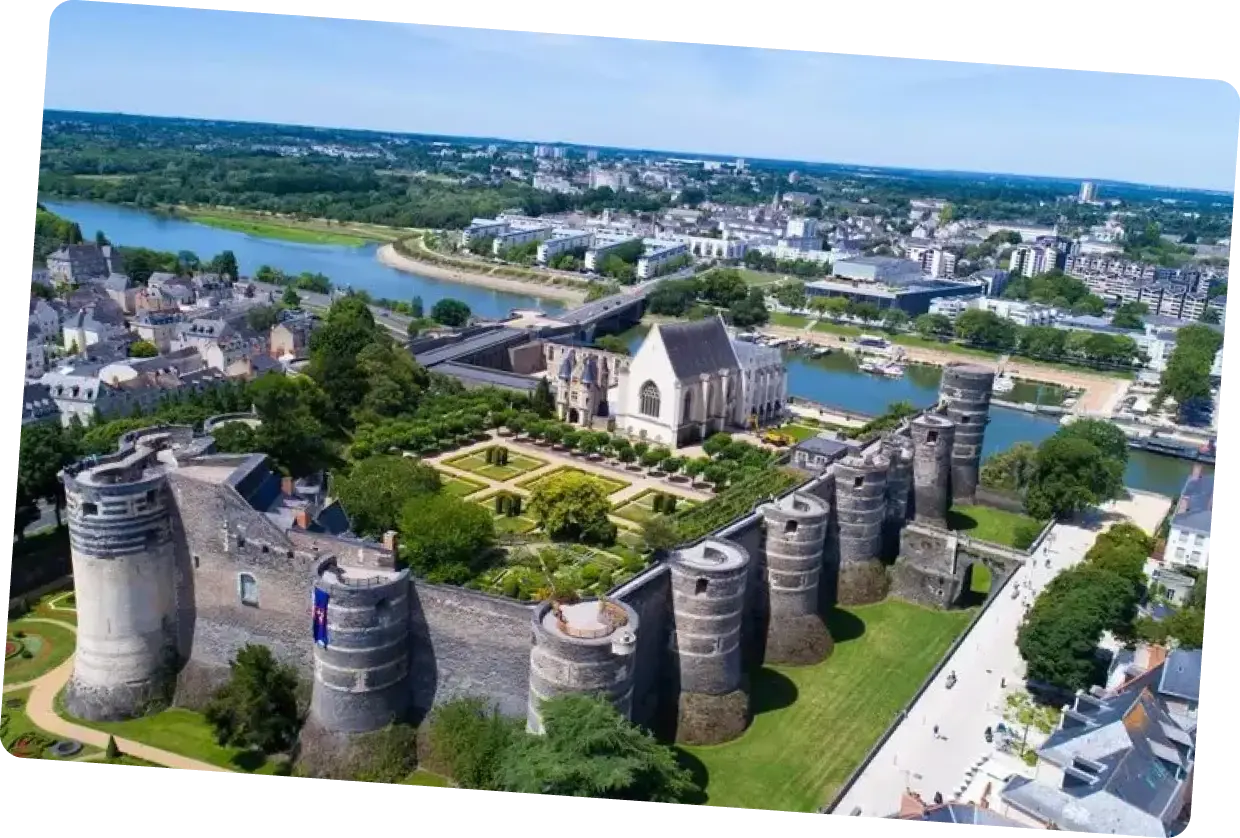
[1125, 761]
[1181, 675]
[823, 447]
[1198, 501]
[698, 348]
[37, 403]
[963, 813]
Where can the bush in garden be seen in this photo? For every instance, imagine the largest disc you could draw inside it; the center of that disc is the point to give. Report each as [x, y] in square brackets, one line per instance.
[514, 508]
[656, 503]
[669, 505]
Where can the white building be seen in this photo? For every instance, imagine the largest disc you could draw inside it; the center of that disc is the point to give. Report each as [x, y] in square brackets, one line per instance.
[563, 241]
[1188, 543]
[1021, 313]
[802, 234]
[483, 228]
[791, 254]
[934, 260]
[1089, 192]
[36, 353]
[1031, 260]
[617, 180]
[604, 245]
[689, 380]
[518, 237]
[705, 247]
[82, 329]
[658, 254]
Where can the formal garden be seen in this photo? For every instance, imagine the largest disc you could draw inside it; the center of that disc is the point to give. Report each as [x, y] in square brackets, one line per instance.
[609, 485]
[496, 463]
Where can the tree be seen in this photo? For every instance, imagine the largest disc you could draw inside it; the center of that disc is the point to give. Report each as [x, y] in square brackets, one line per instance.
[225, 264]
[235, 438]
[377, 488]
[466, 740]
[334, 349]
[934, 326]
[750, 311]
[1108, 438]
[257, 708]
[111, 751]
[589, 750]
[262, 318]
[894, 319]
[1186, 378]
[614, 344]
[541, 400]
[142, 349]
[290, 298]
[101, 239]
[724, 287]
[450, 312]
[293, 432]
[444, 539]
[791, 294]
[44, 450]
[987, 329]
[865, 312]
[1071, 474]
[659, 533]
[1011, 470]
[573, 507]
[1128, 315]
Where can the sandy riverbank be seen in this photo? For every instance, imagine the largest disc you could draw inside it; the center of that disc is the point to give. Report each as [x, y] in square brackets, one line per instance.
[387, 255]
[1100, 393]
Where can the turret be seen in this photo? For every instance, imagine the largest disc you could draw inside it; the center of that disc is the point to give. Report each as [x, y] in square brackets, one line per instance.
[586, 647]
[708, 606]
[965, 395]
[861, 510]
[933, 437]
[796, 529]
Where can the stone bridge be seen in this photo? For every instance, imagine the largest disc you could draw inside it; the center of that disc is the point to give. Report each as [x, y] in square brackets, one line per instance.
[936, 566]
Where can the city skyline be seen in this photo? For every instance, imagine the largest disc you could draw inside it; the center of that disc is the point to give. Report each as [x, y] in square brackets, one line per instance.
[899, 113]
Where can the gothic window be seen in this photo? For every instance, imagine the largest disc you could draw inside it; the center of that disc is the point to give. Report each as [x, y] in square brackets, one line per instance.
[248, 587]
[650, 399]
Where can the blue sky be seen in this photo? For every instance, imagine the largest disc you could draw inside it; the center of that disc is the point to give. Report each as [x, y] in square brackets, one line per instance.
[680, 97]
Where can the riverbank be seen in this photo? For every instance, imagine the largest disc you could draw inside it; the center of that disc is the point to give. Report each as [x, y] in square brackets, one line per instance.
[287, 228]
[1100, 394]
[389, 256]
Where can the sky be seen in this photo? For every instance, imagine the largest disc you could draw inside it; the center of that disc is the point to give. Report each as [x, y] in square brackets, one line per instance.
[689, 98]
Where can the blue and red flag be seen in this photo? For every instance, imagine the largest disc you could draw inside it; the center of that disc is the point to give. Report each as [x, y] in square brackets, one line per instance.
[320, 616]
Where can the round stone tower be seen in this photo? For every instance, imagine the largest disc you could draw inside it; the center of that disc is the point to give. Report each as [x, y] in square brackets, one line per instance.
[965, 394]
[932, 451]
[361, 657]
[861, 511]
[796, 530]
[708, 607]
[125, 579]
[587, 647]
[898, 450]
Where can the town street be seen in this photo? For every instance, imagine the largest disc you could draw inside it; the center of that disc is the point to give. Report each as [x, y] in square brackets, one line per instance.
[915, 757]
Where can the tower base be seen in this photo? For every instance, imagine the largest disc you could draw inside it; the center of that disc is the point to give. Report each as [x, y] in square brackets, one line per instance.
[797, 641]
[387, 755]
[862, 583]
[712, 719]
[93, 703]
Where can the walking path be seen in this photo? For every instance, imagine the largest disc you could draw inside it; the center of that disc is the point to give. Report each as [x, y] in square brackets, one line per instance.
[41, 709]
[555, 460]
[988, 666]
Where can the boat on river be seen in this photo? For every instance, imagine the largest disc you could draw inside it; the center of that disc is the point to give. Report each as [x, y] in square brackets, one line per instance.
[887, 370]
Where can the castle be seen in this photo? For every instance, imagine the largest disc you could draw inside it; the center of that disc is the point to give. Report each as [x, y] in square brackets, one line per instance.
[182, 555]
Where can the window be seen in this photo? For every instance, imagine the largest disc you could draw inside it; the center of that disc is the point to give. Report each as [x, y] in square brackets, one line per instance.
[650, 399]
[858, 482]
[248, 586]
[1199, 539]
[90, 509]
[932, 437]
[700, 587]
[790, 527]
[1179, 552]
[688, 412]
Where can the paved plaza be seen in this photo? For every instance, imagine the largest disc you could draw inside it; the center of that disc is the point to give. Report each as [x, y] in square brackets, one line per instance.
[987, 666]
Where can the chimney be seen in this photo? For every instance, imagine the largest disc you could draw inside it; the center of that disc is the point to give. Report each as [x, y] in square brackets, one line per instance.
[391, 541]
[303, 519]
[286, 486]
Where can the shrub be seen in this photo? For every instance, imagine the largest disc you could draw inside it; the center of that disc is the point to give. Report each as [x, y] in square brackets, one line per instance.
[386, 756]
[112, 751]
[466, 740]
[514, 508]
[500, 503]
[490, 456]
[669, 505]
[511, 586]
[1025, 533]
[656, 503]
[590, 574]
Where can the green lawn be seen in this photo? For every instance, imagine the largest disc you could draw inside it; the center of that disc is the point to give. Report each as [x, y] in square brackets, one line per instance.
[422, 777]
[277, 230]
[459, 487]
[813, 725]
[48, 645]
[610, 484]
[789, 321]
[187, 733]
[17, 724]
[981, 581]
[798, 432]
[929, 343]
[476, 463]
[989, 524]
[838, 329]
[640, 509]
[505, 524]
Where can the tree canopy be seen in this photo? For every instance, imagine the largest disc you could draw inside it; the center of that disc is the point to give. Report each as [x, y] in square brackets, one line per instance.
[375, 490]
[572, 506]
[257, 708]
[444, 539]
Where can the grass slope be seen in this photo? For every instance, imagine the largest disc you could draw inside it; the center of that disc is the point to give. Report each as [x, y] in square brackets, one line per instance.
[285, 231]
[986, 523]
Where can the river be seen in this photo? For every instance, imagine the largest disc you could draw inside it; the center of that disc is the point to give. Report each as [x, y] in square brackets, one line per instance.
[833, 379]
[353, 266]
